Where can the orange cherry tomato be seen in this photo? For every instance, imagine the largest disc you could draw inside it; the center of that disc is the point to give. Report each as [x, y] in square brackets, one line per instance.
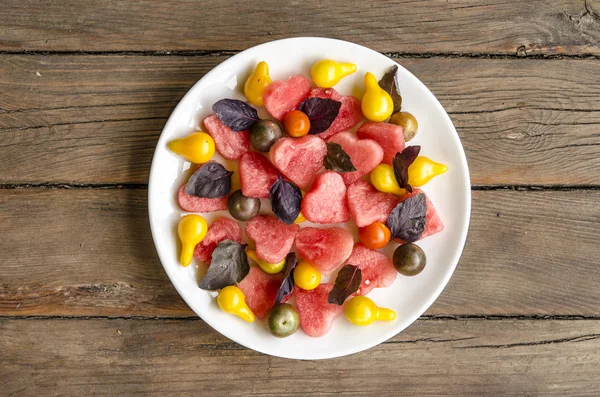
[374, 236]
[296, 123]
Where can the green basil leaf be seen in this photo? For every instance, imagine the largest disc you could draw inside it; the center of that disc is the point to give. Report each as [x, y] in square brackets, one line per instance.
[287, 285]
[347, 282]
[389, 82]
[401, 162]
[211, 180]
[235, 114]
[228, 266]
[407, 221]
[285, 200]
[337, 159]
[321, 112]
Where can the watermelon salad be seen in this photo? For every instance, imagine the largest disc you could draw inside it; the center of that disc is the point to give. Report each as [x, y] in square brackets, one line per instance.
[323, 161]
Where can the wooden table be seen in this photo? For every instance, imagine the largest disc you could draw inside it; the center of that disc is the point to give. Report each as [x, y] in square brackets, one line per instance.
[85, 89]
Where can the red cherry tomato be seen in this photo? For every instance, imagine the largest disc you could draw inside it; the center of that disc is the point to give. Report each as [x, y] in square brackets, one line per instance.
[296, 123]
[374, 236]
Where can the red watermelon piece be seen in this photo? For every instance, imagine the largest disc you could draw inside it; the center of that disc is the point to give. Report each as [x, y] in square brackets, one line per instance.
[281, 97]
[327, 93]
[260, 290]
[230, 144]
[325, 249]
[299, 159]
[433, 222]
[377, 268]
[222, 229]
[350, 112]
[325, 202]
[389, 136]
[257, 175]
[191, 203]
[316, 314]
[368, 205]
[272, 237]
[365, 154]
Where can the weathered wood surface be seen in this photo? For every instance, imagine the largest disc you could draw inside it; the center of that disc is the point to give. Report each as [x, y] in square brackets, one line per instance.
[89, 252]
[431, 26]
[186, 357]
[85, 89]
[96, 119]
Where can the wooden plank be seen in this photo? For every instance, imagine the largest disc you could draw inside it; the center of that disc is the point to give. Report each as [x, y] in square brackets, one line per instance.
[96, 119]
[182, 357]
[431, 26]
[89, 252]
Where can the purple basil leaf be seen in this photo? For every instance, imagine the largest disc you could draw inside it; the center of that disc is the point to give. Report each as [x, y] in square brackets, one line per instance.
[347, 282]
[285, 200]
[401, 162]
[211, 180]
[235, 114]
[407, 220]
[337, 159]
[321, 112]
[228, 266]
[287, 285]
[389, 82]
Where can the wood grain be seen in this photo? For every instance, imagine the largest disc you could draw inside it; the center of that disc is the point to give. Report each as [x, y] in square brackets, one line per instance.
[96, 119]
[431, 26]
[88, 252]
[185, 357]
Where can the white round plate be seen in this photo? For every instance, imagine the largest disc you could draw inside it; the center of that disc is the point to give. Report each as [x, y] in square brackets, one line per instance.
[450, 193]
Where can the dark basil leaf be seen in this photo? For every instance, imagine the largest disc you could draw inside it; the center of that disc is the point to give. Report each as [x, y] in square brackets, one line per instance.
[401, 162]
[337, 159]
[285, 200]
[389, 82]
[407, 220]
[347, 282]
[211, 180]
[287, 285]
[229, 265]
[321, 112]
[235, 114]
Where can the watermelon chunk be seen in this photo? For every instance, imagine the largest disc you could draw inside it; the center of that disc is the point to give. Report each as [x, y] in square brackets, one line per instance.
[365, 154]
[272, 237]
[368, 205]
[389, 136]
[327, 93]
[257, 175]
[299, 159]
[325, 249]
[191, 203]
[229, 143]
[326, 202]
[316, 314]
[350, 112]
[220, 230]
[433, 222]
[281, 97]
[377, 268]
[260, 290]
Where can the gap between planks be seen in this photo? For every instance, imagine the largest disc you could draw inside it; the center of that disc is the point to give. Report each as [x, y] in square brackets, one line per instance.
[520, 54]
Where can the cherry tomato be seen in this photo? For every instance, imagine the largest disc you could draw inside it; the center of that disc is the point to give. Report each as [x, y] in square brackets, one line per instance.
[374, 236]
[296, 123]
[306, 276]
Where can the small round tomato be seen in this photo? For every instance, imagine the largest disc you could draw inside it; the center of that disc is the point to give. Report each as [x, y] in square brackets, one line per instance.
[383, 179]
[296, 123]
[374, 236]
[306, 276]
